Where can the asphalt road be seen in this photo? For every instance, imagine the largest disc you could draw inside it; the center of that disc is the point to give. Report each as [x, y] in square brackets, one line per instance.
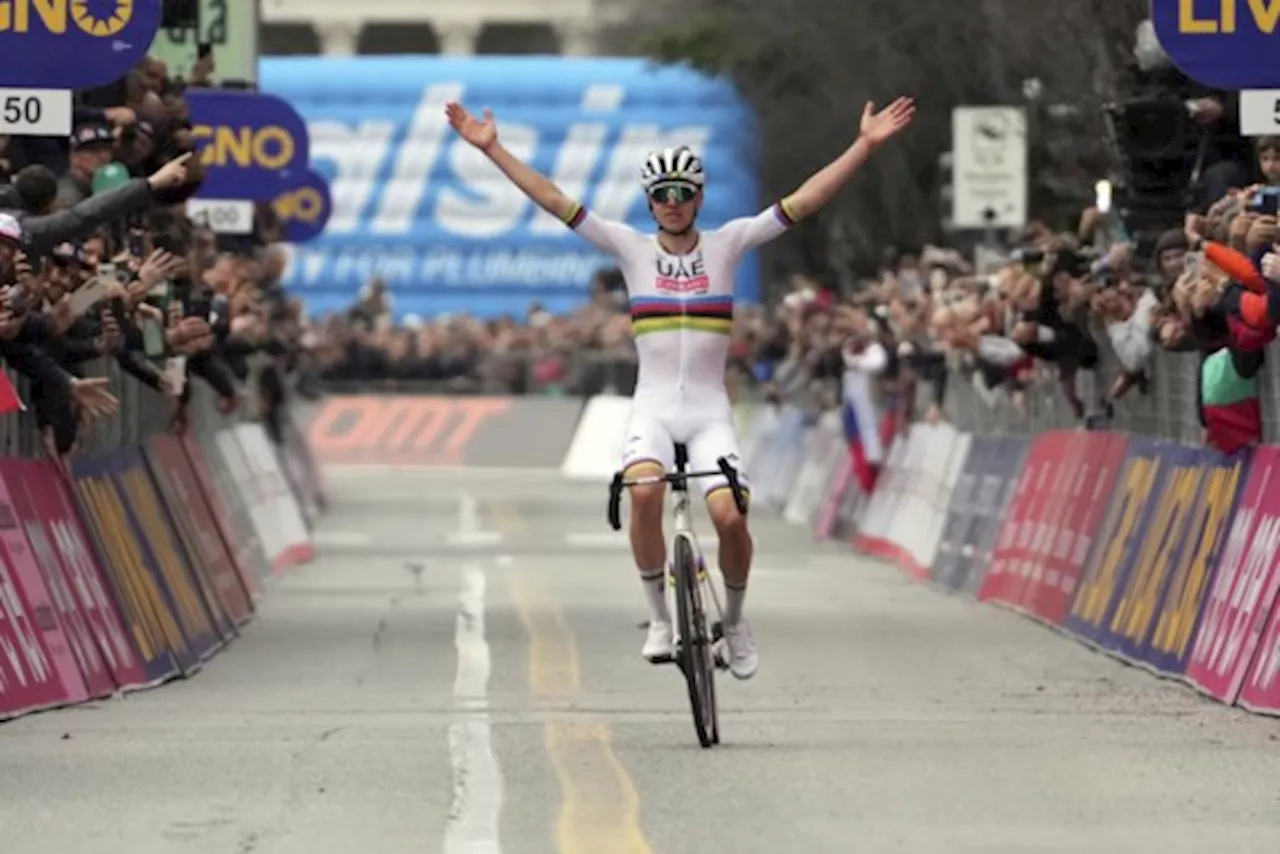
[459, 672]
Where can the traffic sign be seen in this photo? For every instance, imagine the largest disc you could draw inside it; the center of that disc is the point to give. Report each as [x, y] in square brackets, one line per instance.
[35, 112]
[989, 169]
[222, 216]
[1260, 112]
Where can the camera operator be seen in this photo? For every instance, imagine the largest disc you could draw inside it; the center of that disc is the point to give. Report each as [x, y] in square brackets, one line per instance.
[1226, 159]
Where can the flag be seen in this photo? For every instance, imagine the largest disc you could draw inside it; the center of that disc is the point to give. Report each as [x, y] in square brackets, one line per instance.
[9, 400]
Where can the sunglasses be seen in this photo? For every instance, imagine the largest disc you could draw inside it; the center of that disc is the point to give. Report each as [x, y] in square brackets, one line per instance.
[677, 193]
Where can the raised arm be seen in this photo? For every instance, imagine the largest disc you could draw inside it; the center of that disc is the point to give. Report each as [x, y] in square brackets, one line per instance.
[876, 129]
[484, 135]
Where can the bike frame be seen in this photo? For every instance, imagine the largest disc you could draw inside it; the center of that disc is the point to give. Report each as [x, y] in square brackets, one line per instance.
[682, 526]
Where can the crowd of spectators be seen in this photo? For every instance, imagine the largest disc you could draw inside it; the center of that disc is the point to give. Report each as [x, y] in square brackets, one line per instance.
[99, 264]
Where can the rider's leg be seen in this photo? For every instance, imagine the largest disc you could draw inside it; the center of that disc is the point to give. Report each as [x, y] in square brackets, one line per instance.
[650, 451]
[735, 549]
[705, 449]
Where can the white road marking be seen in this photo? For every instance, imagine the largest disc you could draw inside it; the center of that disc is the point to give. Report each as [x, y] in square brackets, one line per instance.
[470, 532]
[340, 538]
[472, 827]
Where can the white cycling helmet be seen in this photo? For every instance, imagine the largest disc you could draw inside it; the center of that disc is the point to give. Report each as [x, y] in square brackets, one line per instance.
[672, 166]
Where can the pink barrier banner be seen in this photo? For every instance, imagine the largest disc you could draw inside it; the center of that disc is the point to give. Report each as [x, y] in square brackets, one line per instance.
[1244, 588]
[23, 565]
[1261, 691]
[98, 679]
[49, 515]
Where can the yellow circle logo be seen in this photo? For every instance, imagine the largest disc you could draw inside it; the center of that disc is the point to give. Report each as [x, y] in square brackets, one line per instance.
[102, 27]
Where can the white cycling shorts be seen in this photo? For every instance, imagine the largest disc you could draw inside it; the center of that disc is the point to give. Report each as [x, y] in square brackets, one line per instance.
[652, 438]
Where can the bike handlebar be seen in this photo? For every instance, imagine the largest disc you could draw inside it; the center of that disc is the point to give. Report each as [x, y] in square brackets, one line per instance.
[619, 483]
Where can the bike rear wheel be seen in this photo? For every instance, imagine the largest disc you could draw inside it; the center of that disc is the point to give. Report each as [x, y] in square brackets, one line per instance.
[695, 653]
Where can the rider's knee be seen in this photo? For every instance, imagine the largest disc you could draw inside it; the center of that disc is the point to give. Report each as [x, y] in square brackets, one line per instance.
[722, 509]
[646, 501]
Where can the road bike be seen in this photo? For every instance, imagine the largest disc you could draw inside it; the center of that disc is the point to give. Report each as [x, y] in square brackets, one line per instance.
[697, 647]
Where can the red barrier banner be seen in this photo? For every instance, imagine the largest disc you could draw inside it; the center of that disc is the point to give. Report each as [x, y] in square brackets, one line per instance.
[1011, 557]
[196, 526]
[1245, 587]
[1044, 558]
[48, 514]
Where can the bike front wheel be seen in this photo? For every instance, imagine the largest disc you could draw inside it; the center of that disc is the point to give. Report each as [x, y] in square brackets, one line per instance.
[696, 655]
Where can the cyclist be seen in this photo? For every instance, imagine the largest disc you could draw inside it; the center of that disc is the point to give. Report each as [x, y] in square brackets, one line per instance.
[680, 287]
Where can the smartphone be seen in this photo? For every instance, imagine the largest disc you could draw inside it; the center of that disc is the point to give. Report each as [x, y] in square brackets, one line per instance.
[118, 310]
[85, 297]
[217, 309]
[1267, 201]
[138, 244]
[152, 339]
[204, 49]
[107, 271]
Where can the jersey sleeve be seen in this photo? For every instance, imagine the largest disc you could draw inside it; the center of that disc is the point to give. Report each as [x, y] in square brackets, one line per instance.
[747, 233]
[604, 234]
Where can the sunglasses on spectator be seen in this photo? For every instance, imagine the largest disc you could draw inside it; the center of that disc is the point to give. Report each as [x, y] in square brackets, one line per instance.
[677, 193]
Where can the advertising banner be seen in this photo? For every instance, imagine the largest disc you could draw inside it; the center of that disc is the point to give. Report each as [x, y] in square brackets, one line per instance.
[73, 44]
[290, 535]
[872, 529]
[1184, 572]
[28, 681]
[303, 206]
[1085, 476]
[203, 623]
[98, 678]
[1261, 690]
[53, 528]
[198, 531]
[931, 467]
[146, 607]
[1221, 44]
[250, 143]
[490, 432]
[824, 446]
[978, 503]
[229, 511]
[434, 218]
[1039, 489]
[834, 497]
[63, 651]
[1142, 481]
[1245, 585]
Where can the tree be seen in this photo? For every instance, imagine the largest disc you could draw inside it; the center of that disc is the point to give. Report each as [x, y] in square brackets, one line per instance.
[807, 67]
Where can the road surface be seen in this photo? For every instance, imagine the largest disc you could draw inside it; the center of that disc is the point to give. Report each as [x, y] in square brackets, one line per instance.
[459, 672]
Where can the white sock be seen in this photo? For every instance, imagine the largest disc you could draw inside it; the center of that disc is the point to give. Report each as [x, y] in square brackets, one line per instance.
[655, 591]
[733, 599]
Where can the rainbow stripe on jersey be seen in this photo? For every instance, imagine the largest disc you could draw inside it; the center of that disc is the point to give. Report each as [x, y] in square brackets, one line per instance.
[666, 314]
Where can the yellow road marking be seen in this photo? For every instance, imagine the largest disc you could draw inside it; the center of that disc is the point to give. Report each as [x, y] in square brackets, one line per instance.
[599, 806]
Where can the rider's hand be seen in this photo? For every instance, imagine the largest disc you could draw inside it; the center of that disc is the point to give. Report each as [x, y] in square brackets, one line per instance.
[481, 134]
[879, 127]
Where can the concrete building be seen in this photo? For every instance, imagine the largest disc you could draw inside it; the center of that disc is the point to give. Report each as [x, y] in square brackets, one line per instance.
[460, 27]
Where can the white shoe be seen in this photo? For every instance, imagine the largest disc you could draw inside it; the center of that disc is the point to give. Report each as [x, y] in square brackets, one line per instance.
[659, 644]
[742, 655]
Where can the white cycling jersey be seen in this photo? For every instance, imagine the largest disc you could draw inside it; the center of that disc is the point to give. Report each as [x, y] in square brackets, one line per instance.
[682, 316]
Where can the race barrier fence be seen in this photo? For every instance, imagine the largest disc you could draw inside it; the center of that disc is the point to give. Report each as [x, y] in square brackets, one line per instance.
[140, 563]
[1164, 556]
